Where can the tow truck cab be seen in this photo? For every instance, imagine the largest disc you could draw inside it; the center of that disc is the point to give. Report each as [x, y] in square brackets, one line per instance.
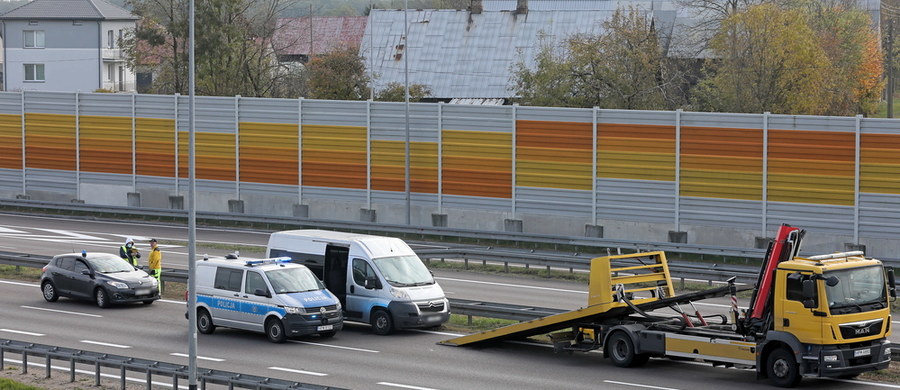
[834, 312]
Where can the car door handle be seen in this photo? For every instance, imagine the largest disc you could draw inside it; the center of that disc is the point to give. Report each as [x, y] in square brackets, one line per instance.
[237, 295]
[246, 296]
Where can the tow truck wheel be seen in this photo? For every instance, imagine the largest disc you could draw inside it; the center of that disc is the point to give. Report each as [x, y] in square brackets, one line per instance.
[275, 330]
[782, 368]
[621, 351]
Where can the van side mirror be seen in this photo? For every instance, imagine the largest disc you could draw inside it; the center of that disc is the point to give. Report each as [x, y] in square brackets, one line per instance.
[809, 293]
[372, 283]
[262, 293]
[892, 283]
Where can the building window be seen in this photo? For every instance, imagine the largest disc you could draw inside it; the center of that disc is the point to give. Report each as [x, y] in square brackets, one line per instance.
[111, 72]
[110, 41]
[34, 72]
[121, 37]
[34, 39]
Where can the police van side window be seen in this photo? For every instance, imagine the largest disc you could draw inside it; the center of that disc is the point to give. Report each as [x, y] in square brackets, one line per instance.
[255, 282]
[228, 279]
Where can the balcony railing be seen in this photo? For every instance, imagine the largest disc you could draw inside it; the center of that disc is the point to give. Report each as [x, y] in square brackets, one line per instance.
[113, 55]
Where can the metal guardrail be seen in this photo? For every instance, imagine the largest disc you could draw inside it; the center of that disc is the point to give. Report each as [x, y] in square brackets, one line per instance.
[150, 368]
[628, 245]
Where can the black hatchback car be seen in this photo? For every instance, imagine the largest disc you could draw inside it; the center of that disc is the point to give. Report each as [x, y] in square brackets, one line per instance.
[101, 277]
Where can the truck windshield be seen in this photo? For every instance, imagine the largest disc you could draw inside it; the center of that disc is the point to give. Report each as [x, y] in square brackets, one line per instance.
[857, 290]
[293, 280]
[404, 271]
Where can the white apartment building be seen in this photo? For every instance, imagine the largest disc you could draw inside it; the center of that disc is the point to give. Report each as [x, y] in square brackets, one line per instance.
[66, 45]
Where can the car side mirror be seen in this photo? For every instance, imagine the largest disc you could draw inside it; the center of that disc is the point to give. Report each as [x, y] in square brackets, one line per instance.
[85, 272]
[262, 293]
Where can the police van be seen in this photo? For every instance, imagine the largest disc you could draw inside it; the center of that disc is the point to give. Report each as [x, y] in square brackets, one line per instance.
[379, 280]
[274, 296]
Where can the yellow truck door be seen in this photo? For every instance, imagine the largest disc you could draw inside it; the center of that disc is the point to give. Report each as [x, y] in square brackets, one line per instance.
[790, 315]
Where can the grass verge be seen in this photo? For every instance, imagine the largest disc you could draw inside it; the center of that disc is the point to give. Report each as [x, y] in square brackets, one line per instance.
[9, 384]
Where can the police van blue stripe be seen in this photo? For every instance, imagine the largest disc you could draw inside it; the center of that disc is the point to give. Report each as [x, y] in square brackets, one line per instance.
[239, 306]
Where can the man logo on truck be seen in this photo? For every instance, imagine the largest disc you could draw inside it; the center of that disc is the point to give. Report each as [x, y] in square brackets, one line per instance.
[865, 330]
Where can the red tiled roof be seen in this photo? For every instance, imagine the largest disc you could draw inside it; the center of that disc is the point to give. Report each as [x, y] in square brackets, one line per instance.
[329, 33]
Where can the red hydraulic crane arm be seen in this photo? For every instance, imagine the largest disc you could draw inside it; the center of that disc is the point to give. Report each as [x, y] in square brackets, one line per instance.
[785, 247]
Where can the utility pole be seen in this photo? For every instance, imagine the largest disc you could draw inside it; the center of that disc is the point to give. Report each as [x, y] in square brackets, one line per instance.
[406, 98]
[890, 69]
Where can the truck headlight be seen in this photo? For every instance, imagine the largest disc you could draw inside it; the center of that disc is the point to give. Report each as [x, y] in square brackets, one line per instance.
[887, 350]
[117, 284]
[830, 358]
[399, 294]
[294, 310]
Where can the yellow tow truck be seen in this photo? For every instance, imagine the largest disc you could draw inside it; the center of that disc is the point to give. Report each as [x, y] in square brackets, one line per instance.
[819, 316]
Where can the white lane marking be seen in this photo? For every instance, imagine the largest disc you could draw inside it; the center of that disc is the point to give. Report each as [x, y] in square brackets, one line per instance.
[404, 386]
[8, 230]
[22, 332]
[105, 344]
[513, 285]
[103, 374]
[62, 311]
[18, 283]
[198, 357]
[297, 371]
[7, 247]
[334, 346]
[436, 332]
[859, 382]
[171, 301]
[638, 385]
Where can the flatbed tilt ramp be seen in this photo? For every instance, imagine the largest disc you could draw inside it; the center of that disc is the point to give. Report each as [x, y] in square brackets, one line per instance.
[640, 273]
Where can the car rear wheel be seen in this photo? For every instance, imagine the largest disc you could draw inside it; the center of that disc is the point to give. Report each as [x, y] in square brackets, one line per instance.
[275, 330]
[204, 322]
[49, 291]
[101, 298]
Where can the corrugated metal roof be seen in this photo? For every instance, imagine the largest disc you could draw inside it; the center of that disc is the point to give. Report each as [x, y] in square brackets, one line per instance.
[579, 5]
[328, 33]
[69, 10]
[459, 57]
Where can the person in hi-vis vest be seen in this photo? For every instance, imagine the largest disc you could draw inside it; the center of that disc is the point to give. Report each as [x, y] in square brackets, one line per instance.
[155, 262]
[129, 253]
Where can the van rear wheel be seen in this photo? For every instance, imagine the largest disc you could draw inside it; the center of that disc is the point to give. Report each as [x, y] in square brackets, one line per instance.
[204, 322]
[275, 330]
[382, 323]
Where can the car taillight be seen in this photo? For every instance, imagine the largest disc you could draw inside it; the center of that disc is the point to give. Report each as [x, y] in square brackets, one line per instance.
[185, 295]
[44, 269]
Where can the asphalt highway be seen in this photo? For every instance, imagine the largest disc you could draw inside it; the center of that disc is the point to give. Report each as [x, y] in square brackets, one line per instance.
[355, 358]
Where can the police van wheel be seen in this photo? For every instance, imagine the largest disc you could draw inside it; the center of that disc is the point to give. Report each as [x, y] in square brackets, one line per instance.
[327, 335]
[382, 324]
[275, 330]
[204, 322]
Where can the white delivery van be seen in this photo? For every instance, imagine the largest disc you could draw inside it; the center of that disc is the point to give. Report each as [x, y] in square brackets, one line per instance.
[379, 280]
[274, 296]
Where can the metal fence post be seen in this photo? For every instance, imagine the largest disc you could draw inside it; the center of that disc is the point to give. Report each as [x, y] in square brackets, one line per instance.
[856, 183]
[237, 147]
[513, 155]
[440, 157]
[678, 170]
[47, 368]
[97, 373]
[765, 175]
[133, 146]
[24, 361]
[369, 154]
[72, 370]
[176, 143]
[122, 377]
[78, 145]
[24, 185]
[300, 151]
[595, 112]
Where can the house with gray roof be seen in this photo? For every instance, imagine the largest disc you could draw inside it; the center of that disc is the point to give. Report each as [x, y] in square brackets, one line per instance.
[467, 55]
[66, 45]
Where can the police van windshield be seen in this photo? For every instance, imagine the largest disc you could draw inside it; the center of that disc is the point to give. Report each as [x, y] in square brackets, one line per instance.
[857, 290]
[293, 280]
[404, 271]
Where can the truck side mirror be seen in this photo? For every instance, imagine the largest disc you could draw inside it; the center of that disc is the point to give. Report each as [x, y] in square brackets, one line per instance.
[832, 281]
[892, 283]
[809, 293]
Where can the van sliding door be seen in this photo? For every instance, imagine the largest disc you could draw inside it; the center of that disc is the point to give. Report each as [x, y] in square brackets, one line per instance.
[336, 271]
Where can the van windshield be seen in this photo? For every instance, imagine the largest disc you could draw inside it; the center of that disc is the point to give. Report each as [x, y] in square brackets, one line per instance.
[293, 280]
[404, 271]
